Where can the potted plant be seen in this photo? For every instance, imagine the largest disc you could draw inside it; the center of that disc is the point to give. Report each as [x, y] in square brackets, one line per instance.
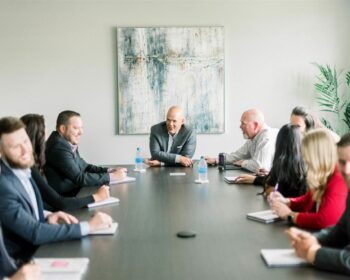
[335, 106]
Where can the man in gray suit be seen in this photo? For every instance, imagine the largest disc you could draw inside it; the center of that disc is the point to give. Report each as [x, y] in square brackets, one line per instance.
[172, 142]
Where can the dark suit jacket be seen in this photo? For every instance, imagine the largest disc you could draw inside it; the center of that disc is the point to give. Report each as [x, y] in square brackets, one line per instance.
[184, 143]
[7, 264]
[53, 200]
[335, 252]
[22, 231]
[66, 171]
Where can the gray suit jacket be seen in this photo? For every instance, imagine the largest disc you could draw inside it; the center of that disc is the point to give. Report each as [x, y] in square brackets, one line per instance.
[22, 231]
[334, 254]
[184, 143]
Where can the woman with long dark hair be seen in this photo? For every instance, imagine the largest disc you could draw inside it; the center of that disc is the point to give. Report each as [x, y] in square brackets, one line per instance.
[324, 201]
[35, 127]
[287, 166]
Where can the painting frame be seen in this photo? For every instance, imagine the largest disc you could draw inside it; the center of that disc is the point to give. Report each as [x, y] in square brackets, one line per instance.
[158, 67]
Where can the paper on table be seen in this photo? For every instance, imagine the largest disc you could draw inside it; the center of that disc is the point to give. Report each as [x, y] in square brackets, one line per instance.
[281, 258]
[177, 174]
[230, 179]
[109, 200]
[63, 265]
[197, 181]
[125, 180]
[266, 216]
[106, 231]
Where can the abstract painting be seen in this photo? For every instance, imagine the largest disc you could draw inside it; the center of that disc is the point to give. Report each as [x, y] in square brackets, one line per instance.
[159, 67]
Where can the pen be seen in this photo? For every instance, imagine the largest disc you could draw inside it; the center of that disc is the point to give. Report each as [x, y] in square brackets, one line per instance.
[274, 191]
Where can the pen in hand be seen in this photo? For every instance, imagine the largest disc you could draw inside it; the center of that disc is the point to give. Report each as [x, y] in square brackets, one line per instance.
[273, 194]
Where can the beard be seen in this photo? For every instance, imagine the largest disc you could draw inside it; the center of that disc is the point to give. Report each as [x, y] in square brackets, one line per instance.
[18, 164]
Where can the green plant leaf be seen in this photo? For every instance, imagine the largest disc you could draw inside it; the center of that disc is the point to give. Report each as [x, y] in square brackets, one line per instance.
[326, 124]
[347, 116]
[348, 78]
[326, 89]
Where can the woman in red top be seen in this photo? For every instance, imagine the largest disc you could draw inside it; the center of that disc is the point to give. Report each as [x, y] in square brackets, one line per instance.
[324, 202]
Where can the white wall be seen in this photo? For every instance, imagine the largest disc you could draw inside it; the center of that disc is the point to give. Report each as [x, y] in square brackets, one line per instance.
[57, 55]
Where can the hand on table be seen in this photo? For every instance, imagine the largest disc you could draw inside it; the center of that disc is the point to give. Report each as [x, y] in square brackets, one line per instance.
[61, 217]
[100, 220]
[119, 173]
[102, 193]
[185, 161]
[27, 272]
[245, 179]
[152, 162]
[210, 161]
[304, 243]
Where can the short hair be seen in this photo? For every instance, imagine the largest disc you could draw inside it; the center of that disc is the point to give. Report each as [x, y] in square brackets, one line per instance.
[320, 155]
[64, 117]
[9, 125]
[344, 141]
[303, 112]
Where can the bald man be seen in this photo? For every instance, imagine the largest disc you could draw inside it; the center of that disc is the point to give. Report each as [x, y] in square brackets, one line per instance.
[258, 151]
[172, 142]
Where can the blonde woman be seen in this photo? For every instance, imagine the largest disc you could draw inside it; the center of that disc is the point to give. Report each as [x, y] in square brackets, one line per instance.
[324, 202]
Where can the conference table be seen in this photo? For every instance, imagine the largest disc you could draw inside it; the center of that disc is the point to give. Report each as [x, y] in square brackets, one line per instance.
[158, 205]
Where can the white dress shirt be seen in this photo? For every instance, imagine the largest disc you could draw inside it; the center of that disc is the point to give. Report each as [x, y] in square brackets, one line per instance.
[257, 152]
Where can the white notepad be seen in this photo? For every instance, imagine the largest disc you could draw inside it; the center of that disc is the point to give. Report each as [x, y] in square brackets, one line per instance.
[106, 231]
[125, 180]
[177, 174]
[109, 200]
[230, 179]
[282, 258]
[62, 265]
[266, 216]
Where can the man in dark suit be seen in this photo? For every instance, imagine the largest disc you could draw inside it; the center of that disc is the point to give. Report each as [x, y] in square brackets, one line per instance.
[8, 266]
[329, 249]
[21, 208]
[172, 142]
[65, 170]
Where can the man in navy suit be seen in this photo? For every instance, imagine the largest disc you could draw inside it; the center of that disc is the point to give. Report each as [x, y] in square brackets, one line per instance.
[21, 208]
[65, 170]
[8, 266]
[172, 142]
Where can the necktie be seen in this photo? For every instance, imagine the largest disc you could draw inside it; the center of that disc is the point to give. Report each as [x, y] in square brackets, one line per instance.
[39, 200]
[7, 264]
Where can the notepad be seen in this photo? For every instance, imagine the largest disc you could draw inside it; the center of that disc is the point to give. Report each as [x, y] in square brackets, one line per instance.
[177, 174]
[125, 180]
[282, 258]
[197, 181]
[62, 265]
[106, 231]
[266, 216]
[230, 179]
[110, 200]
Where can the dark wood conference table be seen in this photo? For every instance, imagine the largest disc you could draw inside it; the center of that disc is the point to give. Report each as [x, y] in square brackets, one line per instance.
[155, 207]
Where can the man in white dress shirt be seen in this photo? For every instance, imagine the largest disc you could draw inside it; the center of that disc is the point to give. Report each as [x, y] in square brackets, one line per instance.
[259, 149]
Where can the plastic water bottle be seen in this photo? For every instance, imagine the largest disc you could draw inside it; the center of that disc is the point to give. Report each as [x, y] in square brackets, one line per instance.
[202, 170]
[138, 160]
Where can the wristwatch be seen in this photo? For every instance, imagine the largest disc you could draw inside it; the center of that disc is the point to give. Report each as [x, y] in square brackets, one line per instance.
[291, 218]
